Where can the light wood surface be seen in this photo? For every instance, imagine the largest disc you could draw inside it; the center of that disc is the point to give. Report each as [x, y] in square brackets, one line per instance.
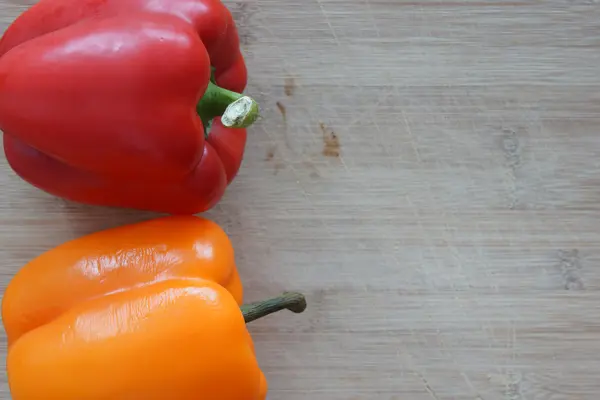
[428, 173]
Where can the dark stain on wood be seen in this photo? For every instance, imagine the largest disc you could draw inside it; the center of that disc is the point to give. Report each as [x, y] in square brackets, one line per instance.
[270, 153]
[571, 269]
[289, 85]
[270, 156]
[331, 142]
[282, 110]
[511, 148]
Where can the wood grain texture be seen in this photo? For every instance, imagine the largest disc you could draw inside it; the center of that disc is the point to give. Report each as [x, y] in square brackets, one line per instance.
[428, 172]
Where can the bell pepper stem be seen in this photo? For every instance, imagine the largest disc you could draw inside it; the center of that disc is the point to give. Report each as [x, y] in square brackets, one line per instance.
[236, 110]
[293, 301]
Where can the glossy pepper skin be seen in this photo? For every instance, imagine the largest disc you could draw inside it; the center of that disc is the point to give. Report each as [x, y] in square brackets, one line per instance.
[144, 311]
[98, 101]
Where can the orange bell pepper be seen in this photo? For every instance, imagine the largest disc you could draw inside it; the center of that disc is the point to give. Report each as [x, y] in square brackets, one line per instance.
[145, 311]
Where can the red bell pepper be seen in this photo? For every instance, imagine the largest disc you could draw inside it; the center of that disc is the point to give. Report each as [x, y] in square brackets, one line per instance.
[126, 103]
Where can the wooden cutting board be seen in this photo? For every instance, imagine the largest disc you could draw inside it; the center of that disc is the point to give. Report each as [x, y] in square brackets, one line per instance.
[428, 173]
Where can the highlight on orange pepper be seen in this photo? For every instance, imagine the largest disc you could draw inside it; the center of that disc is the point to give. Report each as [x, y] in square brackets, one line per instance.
[151, 310]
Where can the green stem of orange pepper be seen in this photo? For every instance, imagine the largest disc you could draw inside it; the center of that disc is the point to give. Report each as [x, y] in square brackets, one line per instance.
[295, 302]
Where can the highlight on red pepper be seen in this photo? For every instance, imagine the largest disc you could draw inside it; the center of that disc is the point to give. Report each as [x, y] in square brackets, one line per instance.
[151, 310]
[126, 103]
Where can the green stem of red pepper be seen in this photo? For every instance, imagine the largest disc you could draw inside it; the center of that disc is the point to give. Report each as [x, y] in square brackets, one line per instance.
[236, 110]
[295, 302]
